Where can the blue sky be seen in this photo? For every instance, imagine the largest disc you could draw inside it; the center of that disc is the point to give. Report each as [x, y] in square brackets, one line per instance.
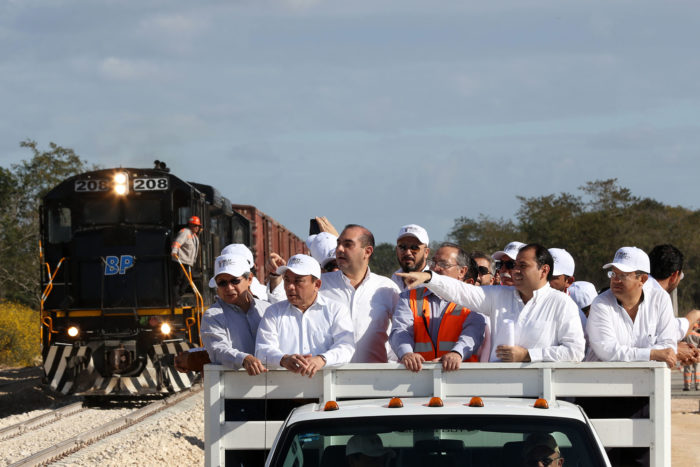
[379, 113]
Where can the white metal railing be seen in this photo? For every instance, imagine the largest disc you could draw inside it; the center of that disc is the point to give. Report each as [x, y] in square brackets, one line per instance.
[548, 380]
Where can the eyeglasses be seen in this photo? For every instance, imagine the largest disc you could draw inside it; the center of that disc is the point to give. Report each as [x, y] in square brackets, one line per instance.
[544, 460]
[622, 277]
[408, 247]
[224, 283]
[441, 264]
[510, 264]
[484, 271]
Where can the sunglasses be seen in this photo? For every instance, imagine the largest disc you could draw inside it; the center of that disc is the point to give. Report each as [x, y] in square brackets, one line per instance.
[484, 271]
[510, 264]
[408, 247]
[224, 283]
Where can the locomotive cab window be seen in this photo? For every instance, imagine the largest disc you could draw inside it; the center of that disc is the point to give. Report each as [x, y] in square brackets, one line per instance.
[101, 211]
[143, 211]
[59, 223]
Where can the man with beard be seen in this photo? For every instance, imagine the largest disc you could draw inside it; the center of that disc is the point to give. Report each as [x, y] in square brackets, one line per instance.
[411, 251]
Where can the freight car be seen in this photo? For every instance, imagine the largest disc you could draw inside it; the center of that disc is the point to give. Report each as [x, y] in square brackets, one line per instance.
[111, 316]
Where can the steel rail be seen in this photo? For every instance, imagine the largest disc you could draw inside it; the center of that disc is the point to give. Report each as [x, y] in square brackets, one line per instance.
[40, 421]
[82, 440]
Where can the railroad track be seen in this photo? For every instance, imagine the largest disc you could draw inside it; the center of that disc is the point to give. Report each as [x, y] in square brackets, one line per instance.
[40, 421]
[85, 439]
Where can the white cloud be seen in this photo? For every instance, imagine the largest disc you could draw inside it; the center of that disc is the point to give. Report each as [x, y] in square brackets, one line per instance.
[121, 69]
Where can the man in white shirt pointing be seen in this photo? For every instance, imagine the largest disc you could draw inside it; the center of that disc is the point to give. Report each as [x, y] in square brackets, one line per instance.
[542, 323]
[307, 331]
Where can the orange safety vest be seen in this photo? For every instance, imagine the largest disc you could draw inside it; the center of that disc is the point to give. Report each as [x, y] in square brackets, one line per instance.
[448, 334]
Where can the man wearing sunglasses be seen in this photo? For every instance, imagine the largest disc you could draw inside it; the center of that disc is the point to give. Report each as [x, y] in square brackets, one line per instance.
[307, 331]
[485, 270]
[506, 261]
[412, 251]
[541, 450]
[530, 321]
[230, 325]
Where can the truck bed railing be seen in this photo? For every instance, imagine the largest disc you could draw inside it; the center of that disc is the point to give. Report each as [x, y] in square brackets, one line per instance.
[528, 380]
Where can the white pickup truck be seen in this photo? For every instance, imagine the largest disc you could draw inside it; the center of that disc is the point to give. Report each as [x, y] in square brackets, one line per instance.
[455, 433]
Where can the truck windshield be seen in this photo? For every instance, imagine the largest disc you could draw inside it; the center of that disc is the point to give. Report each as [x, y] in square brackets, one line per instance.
[439, 441]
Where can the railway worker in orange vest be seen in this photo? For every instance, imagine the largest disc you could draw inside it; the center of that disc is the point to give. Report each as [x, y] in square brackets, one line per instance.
[185, 248]
[428, 328]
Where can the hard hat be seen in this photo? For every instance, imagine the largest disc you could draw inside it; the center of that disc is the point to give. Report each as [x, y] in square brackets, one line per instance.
[194, 220]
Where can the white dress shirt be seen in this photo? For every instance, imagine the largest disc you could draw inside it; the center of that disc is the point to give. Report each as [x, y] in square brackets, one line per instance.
[228, 333]
[614, 337]
[371, 307]
[324, 328]
[548, 325]
[682, 323]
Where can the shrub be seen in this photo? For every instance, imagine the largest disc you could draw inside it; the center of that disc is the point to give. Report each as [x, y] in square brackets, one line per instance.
[19, 334]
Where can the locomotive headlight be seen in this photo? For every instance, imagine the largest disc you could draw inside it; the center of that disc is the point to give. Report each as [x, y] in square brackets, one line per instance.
[73, 331]
[165, 328]
[121, 183]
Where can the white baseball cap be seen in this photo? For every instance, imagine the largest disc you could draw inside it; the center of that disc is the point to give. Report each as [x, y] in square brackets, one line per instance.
[630, 259]
[240, 250]
[583, 293]
[563, 262]
[301, 265]
[369, 445]
[236, 265]
[511, 250]
[322, 247]
[413, 230]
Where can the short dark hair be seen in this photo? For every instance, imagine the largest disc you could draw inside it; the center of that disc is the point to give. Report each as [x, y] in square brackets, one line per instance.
[367, 239]
[542, 257]
[665, 260]
[472, 271]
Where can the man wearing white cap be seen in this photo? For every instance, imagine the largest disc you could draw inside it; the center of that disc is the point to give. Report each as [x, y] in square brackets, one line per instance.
[630, 322]
[307, 331]
[371, 298]
[412, 251]
[563, 271]
[256, 287]
[322, 248]
[530, 321]
[230, 325]
[583, 293]
[506, 261]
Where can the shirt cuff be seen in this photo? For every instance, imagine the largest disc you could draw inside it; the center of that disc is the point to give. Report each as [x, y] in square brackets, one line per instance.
[535, 355]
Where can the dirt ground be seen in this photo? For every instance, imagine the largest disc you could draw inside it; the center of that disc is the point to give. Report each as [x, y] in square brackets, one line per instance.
[685, 434]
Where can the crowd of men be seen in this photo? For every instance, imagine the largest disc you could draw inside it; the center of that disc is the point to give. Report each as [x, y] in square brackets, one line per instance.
[520, 304]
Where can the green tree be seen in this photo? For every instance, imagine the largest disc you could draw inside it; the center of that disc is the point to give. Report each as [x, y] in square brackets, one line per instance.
[383, 260]
[22, 187]
[592, 226]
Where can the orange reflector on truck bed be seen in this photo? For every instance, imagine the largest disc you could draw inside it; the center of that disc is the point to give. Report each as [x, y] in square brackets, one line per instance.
[476, 402]
[435, 402]
[541, 404]
[395, 403]
[330, 405]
